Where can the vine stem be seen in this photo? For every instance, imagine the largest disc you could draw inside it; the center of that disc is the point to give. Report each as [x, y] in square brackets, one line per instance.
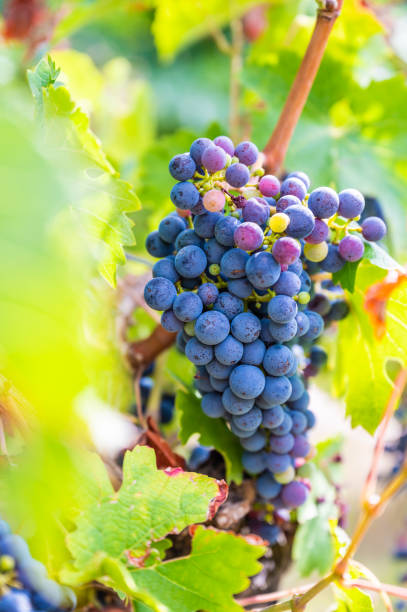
[276, 148]
[370, 484]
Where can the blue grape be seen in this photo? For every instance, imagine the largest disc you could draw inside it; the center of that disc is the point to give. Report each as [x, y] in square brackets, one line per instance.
[301, 446]
[253, 462]
[237, 175]
[224, 230]
[229, 351]
[184, 195]
[214, 251]
[316, 325]
[182, 167]
[239, 432]
[170, 227]
[273, 417]
[156, 246]
[351, 203]
[208, 292]
[228, 304]
[213, 158]
[301, 403]
[190, 261]
[289, 284]
[323, 202]
[320, 304]
[240, 287]
[282, 309]
[190, 283]
[233, 263]
[218, 370]
[297, 388]
[294, 367]
[170, 322]
[373, 229]
[203, 384]
[254, 443]
[267, 487]
[294, 494]
[249, 421]
[247, 152]
[306, 282]
[198, 353]
[265, 334]
[285, 201]
[255, 212]
[302, 221]
[219, 384]
[351, 248]
[15, 601]
[311, 420]
[187, 306]
[293, 186]
[186, 237]
[198, 457]
[318, 356]
[212, 327]
[247, 381]
[278, 360]
[284, 427]
[245, 327]
[278, 463]
[199, 208]
[180, 342]
[166, 269]
[212, 405]
[302, 176]
[262, 270]
[234, 404]
[225, 143]
[296, 268]
[205, 224]
[253, 352]
[198, 147]
[282, 444]
[333, 262]
[283, 332]
[339, 310]
[277, 390]
[160, 293]
[299, 422]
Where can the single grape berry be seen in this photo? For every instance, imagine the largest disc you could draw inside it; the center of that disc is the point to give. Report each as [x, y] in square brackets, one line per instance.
[302, 221]
[213, 158]
[262, 270]
[323, 202]
[247, 152]
[319, 234]
[294, 494]
[302, 176]
[224, 230]
[214, 200]
[279, 222]
[190, 261]
[160, 293]
[286, 201]
[255, 212]
[184, 195]
[316, 252]
[269, 185]
[351, 203]
[373, 229]
[351, 248]
[286, 250]
[237, 175]
[248, 236]
[198, 147]
[225, 143]
[293, 186]
[182, 167]
[233, 263]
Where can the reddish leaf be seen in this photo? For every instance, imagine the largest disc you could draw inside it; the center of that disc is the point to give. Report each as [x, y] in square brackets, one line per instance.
[377, 297]
[166, 458]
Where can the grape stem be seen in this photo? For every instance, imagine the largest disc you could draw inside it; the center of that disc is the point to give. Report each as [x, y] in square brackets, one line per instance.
[276, 148]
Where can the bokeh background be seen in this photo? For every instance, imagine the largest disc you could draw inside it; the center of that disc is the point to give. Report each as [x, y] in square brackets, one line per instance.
[151, 76]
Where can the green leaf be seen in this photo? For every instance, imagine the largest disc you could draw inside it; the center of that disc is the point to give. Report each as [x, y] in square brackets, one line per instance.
[360, 370]
[313, 546]
[103, 199]
[346, 276]
[379, 257]
[150, 504]
[217, 569]
[212, 432]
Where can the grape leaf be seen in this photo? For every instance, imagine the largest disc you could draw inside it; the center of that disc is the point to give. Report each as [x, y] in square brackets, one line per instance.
[217, 568]
[103, 198]
[366, 386]
[379, 257]
[149, 504]
[346, 277]
[352, 600]
[313, 546]
[179, 23]
[212, 432]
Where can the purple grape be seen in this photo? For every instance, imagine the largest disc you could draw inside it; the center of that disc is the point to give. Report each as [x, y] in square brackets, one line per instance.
[267, 486]
[247, 152]
[198, 147]
[302, 323]
[286, 250]
[160, 293]
[276, 391]
[184, 195]
[293, 186]
[214, 251]
[226, 144]
[294, 494]
[187, 306]
[288, 284]
[351, 203]
[204, 224]
[186, 237]
[212, 405]
[237, 175]
[170, 322]
[233, 263]
[190, 261]
[262, 270]
[218, 370]
[198, 353]
[286, 201]
[166, 268]
[269, 185]
[316, 326]
[319, 233]
[208, 292]
[240, 287]
[248, 236]
[273, 417]
[228, 304]
[373, 229]
[333, 262]
[282, 309]
[253, 462]
[278, 463]
[301, 446]
[302, 221]
[247, 382]
[234, 404]
[255, 212]
[283, 332]
[182, 167]
[245, 327]
[323, 202]
[302, 176]
[224, 230]
[254, 443]
[351, 248]
[199, 208]
[212, 327]
[253, 352]
[297, 388]
[156, 246]
[284, 428]
[213, 158]
[278, 360]
[282, 444]
[249, 421]
[229, 351]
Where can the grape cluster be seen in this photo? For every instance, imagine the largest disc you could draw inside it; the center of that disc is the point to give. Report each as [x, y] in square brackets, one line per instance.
[243, 277]
[25, 586]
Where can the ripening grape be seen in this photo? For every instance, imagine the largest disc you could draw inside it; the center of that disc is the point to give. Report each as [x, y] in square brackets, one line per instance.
[373, 229]
[269, 185]
[214, 200]
[279, 223]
